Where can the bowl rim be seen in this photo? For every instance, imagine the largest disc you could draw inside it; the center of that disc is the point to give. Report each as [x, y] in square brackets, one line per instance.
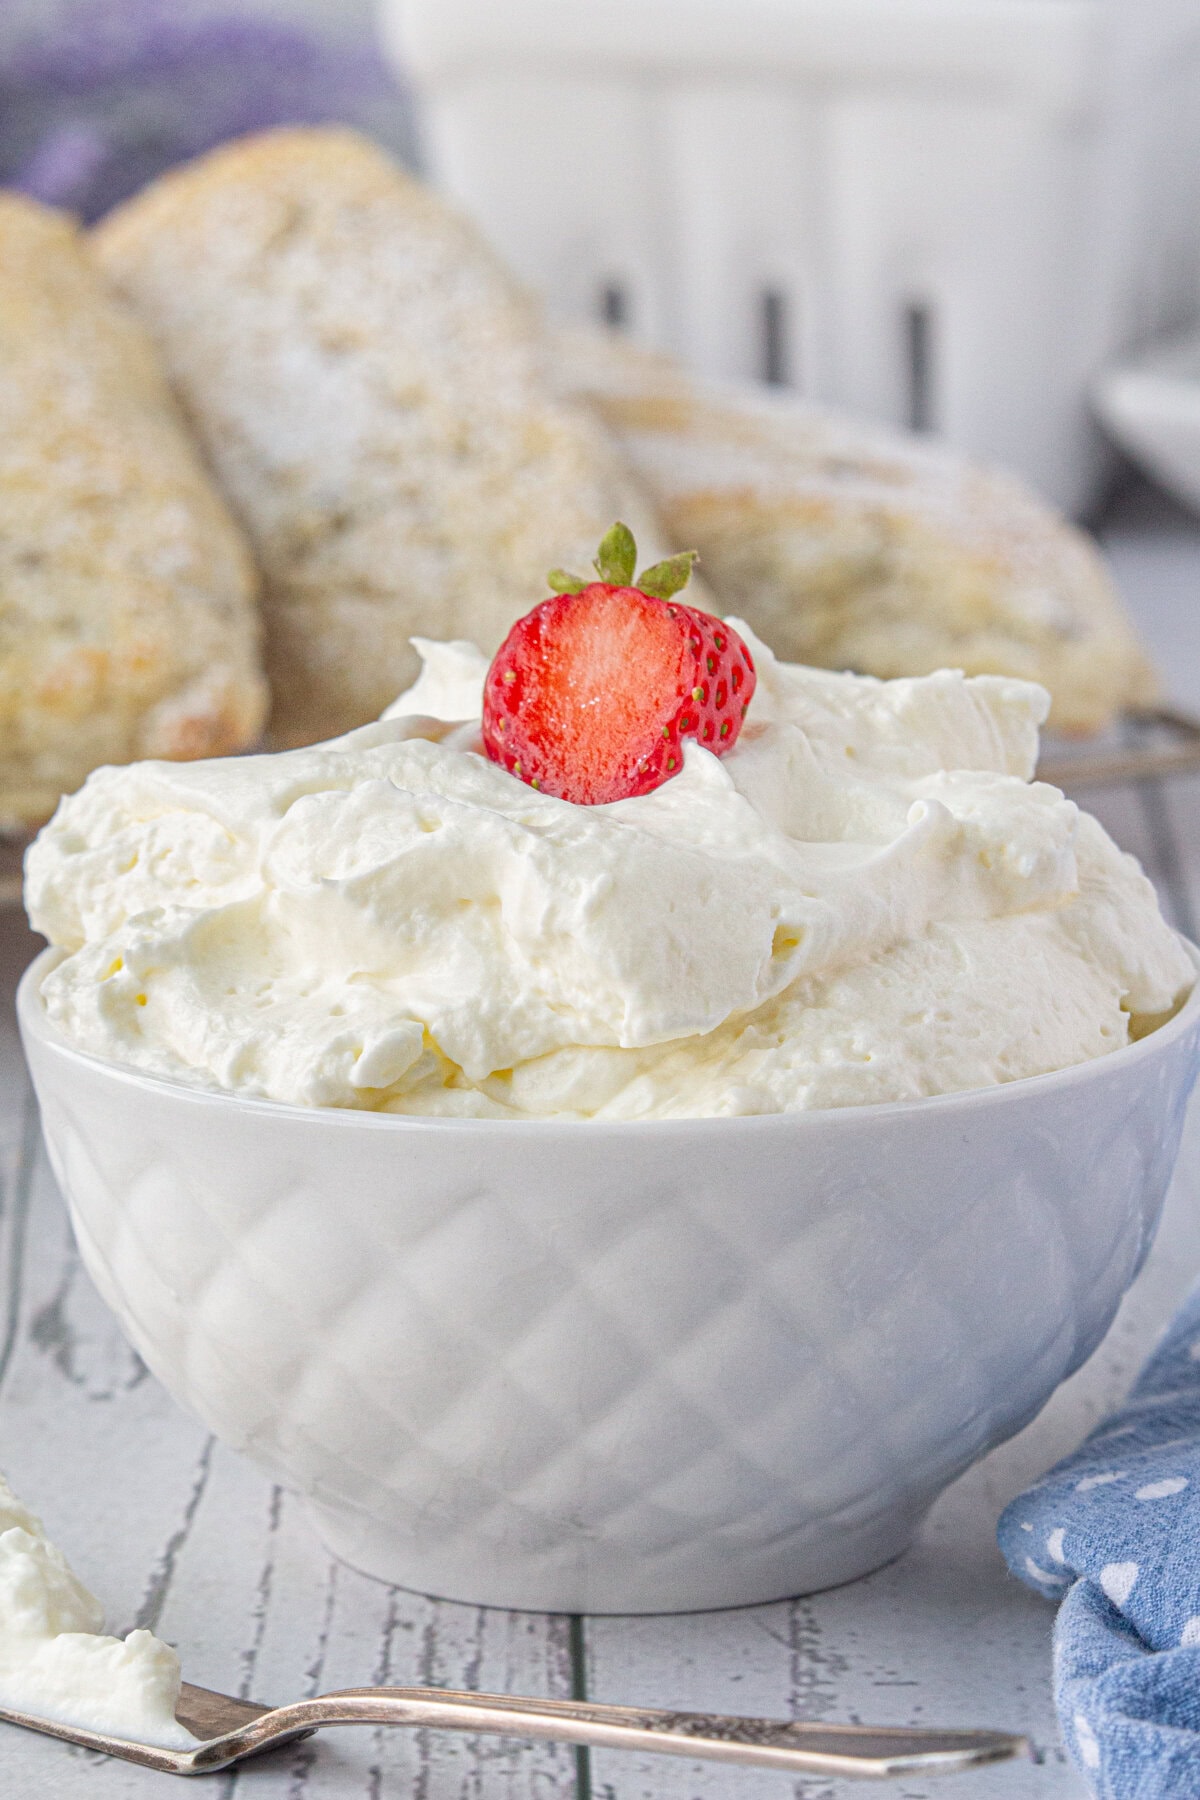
[34, 1023]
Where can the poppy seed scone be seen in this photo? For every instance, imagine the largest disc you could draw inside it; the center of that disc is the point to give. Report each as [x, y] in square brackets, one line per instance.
[852, 546]
[368, 384]
[127, 618]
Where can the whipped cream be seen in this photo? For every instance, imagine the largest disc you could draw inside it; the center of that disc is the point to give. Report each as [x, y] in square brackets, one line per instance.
[867, 899]
[55, 1663]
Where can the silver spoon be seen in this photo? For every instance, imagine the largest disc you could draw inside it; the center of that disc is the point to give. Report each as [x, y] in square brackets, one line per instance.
[230, 1730]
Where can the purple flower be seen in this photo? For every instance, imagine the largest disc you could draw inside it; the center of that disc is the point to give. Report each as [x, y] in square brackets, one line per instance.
[121, 89]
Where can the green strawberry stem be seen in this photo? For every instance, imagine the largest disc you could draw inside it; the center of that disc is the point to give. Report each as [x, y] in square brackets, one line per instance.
[615, 562]
[667, 578]
[616, 558]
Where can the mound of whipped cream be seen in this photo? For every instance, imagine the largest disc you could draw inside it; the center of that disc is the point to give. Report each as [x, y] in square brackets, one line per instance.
[54, 1661]
[868, 899]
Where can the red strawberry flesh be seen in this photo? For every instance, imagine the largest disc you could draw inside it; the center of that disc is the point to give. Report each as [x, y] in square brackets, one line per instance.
[591, 693]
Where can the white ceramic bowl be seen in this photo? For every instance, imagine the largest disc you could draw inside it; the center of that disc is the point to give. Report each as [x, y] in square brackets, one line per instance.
[616, 1367]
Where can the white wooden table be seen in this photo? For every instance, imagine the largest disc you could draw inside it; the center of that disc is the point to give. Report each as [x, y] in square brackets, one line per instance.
[178, 1534]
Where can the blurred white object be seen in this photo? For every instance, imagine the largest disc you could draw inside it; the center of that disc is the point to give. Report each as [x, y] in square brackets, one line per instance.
[1151, 406]
[945, 213]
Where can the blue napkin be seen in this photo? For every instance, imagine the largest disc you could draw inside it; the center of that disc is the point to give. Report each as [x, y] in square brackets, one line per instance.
[1113, 1532]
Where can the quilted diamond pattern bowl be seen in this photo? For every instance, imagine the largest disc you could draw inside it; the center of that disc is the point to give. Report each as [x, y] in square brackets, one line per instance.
[616, 1367]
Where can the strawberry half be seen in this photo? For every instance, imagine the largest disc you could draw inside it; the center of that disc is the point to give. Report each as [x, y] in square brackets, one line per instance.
[592, 694]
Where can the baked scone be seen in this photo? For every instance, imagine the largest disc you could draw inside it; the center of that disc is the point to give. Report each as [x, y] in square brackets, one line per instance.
[369, 385]
[852, 546]
[127, 619]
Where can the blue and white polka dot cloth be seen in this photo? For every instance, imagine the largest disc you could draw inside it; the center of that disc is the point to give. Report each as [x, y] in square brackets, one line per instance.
[1114, 1533]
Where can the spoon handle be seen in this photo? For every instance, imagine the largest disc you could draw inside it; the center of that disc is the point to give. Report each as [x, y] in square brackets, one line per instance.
[813, 1749]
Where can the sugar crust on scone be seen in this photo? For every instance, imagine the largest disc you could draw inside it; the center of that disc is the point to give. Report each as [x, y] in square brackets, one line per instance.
[368, 384]
[848, 545]
[127, 619]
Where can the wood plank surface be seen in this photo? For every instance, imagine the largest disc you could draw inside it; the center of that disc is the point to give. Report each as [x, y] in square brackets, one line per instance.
[179, 1534]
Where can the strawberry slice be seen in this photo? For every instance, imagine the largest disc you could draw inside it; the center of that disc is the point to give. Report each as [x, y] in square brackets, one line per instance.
[592, 694]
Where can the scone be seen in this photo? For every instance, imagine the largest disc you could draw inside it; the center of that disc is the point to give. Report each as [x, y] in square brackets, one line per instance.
[127, 595]
[368, 384]
[855, 547]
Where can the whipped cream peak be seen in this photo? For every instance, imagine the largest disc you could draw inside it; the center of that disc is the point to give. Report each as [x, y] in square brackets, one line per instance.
[867, 898]
[450, 685]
